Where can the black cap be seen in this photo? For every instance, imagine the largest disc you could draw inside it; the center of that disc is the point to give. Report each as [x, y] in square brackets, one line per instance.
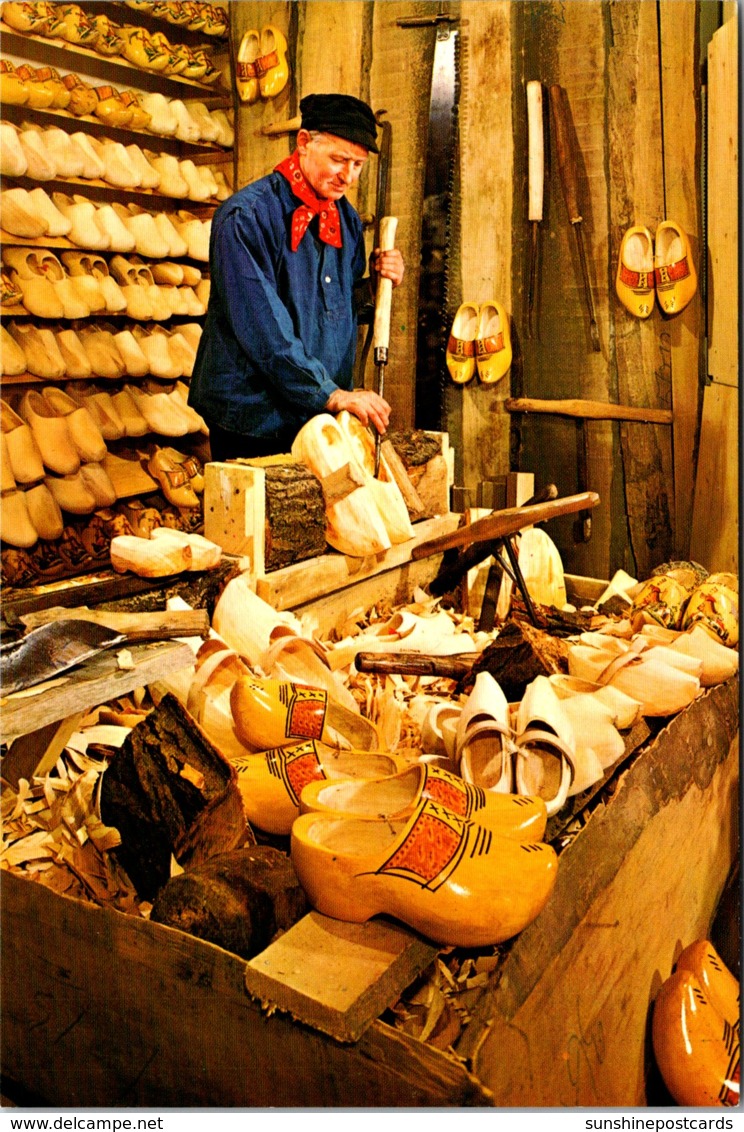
[340, 114]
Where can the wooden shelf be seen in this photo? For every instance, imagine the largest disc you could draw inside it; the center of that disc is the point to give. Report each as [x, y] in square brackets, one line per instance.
[200, 152]
[113, 69]
[102, 191]
[121, 13]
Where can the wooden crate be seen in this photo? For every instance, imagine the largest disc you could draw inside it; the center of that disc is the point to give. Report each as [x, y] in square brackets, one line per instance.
[100, 1009]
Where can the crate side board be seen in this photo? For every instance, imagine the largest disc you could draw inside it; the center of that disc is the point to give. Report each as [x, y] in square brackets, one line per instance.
[566, 1022]
[101, 1009]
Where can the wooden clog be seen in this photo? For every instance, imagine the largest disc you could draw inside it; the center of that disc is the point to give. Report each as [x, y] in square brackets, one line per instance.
[444, 876]
[674, 269]
[493, 348]
[271, 782]
[719, 985]
[147, 557]
[246, 78]
[271, 65]
[546, 745]
[396, 797]
[634, 278]
[272, 713]
[460, 355]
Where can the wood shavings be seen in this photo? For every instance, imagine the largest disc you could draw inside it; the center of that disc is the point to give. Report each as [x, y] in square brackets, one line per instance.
[124, 659]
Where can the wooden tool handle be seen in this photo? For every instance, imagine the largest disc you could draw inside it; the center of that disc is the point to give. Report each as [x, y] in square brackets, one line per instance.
[415, 664]
[384, 295]
[566, 159]
[535, 150]
[500, 524]
[589, 410]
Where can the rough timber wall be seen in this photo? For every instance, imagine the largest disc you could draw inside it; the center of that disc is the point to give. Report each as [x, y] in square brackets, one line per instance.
[630, 75]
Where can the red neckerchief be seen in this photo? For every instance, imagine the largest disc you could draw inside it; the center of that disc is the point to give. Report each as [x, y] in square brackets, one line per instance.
[329, 221]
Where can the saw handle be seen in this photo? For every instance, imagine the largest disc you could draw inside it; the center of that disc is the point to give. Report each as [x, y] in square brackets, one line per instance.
[384, 293]
[535, 150]
[566, 159]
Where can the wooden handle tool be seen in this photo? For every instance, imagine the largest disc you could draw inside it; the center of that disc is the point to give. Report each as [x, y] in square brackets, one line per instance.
[535, 185]
[568, 173]
[381, 330]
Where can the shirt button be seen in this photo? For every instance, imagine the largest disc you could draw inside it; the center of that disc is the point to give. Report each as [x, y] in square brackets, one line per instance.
[327, 278]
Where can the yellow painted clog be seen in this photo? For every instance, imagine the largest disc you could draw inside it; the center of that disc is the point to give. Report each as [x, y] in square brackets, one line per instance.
[397, 796]
[271, 782]
[246, 76]
[451, 879]
[271, 65]
[635, 280]
[715, 606]
[697, 1051]
[676, 278]
[493, 348]
[273, 713]
[720, 986]
[460, 354]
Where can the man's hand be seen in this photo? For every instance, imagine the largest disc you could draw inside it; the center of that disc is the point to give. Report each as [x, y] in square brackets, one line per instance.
[368, 406]
[389, 265]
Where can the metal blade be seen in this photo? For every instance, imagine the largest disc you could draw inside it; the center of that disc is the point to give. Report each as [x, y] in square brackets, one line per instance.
[593, 329]
[51, 649]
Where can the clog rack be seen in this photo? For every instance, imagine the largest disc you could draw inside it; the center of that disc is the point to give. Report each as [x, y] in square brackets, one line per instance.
[94, 68]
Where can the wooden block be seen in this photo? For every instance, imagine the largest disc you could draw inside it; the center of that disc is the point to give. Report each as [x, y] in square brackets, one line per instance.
[412, 499]
[235, 511]
[337, 977]
[328, 573]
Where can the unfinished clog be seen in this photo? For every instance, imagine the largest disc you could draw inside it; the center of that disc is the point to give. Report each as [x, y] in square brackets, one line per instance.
[383, 487]
[301, 660]
[634, 278]
[493, 348]
[354, 524]
[23, 451]
[147, 557]
[662, 681]
[624, 709]
[44, 512]
[271, 782]
[546, 745]
[13, 358]
[397, 796]
[16, 527]
[50, 433]
[19, 217]
[84, 432]
[446, 877]
[40, 349]
[460, 355]
[674, 270]
[271, 713]
[697, 1050]
[205, 555]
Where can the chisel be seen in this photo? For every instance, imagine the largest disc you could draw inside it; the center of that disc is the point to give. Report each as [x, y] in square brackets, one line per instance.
[381, 333]
[569, 184]
[535, 184]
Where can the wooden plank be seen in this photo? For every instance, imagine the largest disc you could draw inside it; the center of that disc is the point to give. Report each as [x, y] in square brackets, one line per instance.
[723, 205]
[337, 977]
[217, 1049]
[642, 346]
[154, 626]
[715, 518]
[682, 127]
[306, 581]
[486, 191]
[94, 682]
[235, 511]
[594, 958]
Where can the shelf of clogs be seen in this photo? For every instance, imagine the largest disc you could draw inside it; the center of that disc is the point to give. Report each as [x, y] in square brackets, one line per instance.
[124, 75]
[72, 56]
[199, 152]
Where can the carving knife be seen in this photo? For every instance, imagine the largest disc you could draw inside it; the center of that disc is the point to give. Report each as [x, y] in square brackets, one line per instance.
[535, 185]
[569, 184]
[381, 332]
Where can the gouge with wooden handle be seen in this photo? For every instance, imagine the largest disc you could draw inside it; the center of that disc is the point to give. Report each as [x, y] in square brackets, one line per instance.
[569, 184]
[381, 333]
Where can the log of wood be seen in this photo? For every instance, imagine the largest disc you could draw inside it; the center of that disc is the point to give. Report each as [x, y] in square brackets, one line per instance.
[239, 900]
[517, 655]
[295, 515]
[169, 792]
[414, 664]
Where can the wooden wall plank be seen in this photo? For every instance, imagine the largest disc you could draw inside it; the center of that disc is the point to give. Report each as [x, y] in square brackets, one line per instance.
[642, 347]
[486, 177]
[715, 520]
[680, 100]
[724, 308]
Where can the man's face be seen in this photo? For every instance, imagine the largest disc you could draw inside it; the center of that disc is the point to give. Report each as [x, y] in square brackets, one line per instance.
[330, 164]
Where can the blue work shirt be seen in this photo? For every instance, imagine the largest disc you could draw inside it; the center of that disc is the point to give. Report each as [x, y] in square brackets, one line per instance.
[280, 332]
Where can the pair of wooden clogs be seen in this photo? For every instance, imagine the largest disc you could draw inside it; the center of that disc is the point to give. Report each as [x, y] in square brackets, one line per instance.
[261, 70]
[659, 269]
[480, 341]
[695, 1030]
